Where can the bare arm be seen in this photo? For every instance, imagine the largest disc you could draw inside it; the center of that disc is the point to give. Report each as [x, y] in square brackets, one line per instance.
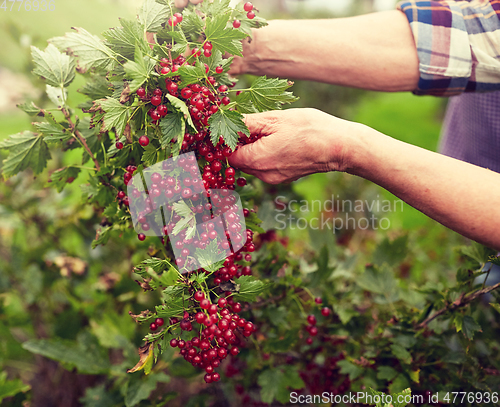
[298, 142]
[373, 51]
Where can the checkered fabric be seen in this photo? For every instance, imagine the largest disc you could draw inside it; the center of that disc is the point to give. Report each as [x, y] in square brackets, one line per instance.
[458, 45]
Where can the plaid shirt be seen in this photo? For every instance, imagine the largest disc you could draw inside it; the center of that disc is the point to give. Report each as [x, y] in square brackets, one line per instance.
[458, 45]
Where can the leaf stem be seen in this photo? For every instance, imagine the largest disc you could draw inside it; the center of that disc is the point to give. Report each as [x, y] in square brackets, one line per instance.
[80, 138]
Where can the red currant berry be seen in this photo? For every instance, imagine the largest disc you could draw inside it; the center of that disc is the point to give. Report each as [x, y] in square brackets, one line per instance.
[141, 92]
[179, 17]
[236, 23]
[141, 237]
[165, 70]
[208, 378]
[219, 69]
[325, 312]
[248, 6]
[156, 100]
[225, 100]
[159, 321]
[205, 304]
[215, 377]
[173, 343]
[318, 300]
[251, 15]
[119, 145]
[311, 319]
[309, 341]
[313, 331]
[223, 89]
[234, 350]
[144, 141]
[241, 182]
[198, 295]
[153, 326]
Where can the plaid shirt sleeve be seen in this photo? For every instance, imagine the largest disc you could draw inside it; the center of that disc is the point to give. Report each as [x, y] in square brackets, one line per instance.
[458, 45]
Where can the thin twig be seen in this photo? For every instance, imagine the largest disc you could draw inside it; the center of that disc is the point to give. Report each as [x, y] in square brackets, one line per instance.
[463, 300]
[80, 138]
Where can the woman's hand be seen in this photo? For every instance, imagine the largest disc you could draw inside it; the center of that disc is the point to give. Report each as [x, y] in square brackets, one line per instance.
[295, 143]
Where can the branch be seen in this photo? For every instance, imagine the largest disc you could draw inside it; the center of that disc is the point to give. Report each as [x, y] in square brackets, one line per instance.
[80, 138]
[463, 300]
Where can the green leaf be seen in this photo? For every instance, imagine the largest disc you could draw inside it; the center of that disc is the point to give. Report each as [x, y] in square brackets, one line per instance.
[283, 344]
[142, 389]
[209, 258]
[169, 277]
[90, 50]
[9, 388]
[380, 282]
[399, 384]
[386, 373]
[139, 71]
[349, 368]
[31, 109]
[216, 7]
[149, 156]
[223, 38]
[228, 124]
[192, 23]
[470, 326]
[180, 106]
[249, 289]
[53, 132]
[152, 15]
[99, 396]
[60, 178]
[401, 353]
[27, 150]
[276, 383]
[496, 307]
[85, 356]
[172, 37]
[97, 88]
[103, 237]
[57, 68]
[191, 74]
[216, 60]
[253, 222]
[116, 115]
[268, 94]
[188, 219]
[124, 40]
[392, 253]
[172, 127]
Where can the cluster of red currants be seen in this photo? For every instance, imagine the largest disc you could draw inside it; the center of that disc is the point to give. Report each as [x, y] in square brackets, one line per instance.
[249, 8]
[221, 331]
[311, 328]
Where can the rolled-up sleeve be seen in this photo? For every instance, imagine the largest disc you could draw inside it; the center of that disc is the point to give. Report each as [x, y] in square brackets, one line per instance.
[458, 45]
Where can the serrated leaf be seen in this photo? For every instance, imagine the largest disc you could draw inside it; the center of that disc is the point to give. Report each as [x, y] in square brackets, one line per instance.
[27, 150]
[215, 7]
[97, 87]
[123, 40]
[188, 219]
[116, 115]
[149, 156]
[192, 23]
[380, 282]
[386, 373]
[57, 68]
[268, 94]
[191, 74]
[276, 383]
[9, 388]
[227, 124]
[172, 127]
[223, 38]
[349, 368]
[470, 327]
[250, 288]
[59, 179]
[90, 50]
[31, 109]
[209, 258]
[152, 15]
[58, 96]
[391, 253]
[180, 106]
[53, 132]
[140, 390]
[401, 353]
[139, 70]
[103, 238]
[399, 384]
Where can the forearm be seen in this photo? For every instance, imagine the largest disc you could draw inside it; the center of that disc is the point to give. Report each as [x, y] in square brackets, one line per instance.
[373, 51]
[461, 196]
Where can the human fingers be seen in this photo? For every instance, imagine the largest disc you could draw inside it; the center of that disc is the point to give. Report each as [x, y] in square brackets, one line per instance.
[180, 3]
